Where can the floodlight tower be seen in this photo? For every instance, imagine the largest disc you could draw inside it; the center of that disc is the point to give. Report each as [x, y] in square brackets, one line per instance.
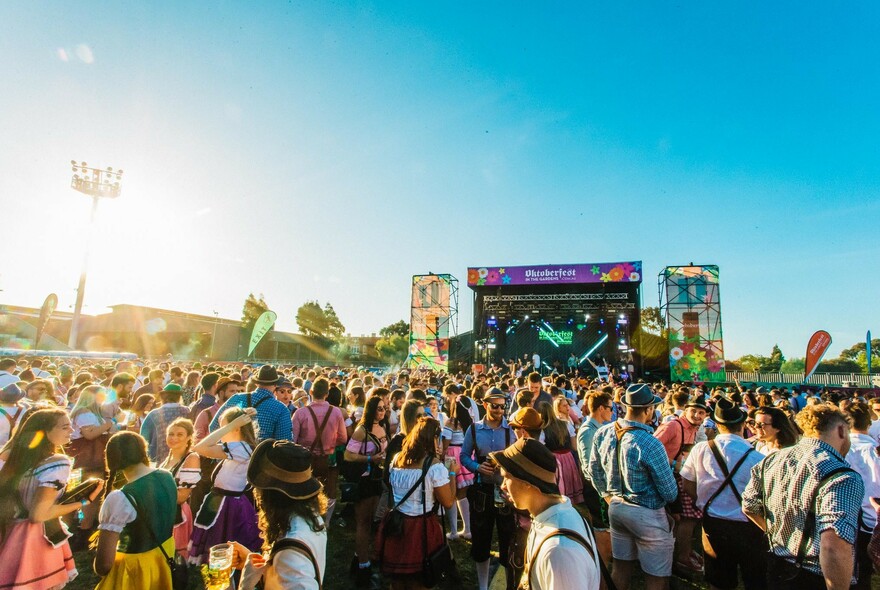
[97, 184]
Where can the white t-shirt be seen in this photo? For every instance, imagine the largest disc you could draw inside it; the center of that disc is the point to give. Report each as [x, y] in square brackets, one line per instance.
[404, 479]
[536, 361]
[290, 570]
[84, 419]
[232, 475]
[561, 562]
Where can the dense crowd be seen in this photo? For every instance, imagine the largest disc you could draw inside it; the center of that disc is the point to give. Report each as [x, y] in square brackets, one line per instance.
[580, 480]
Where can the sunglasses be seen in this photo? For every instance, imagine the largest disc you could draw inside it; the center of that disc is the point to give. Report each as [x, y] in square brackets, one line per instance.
[497, 406]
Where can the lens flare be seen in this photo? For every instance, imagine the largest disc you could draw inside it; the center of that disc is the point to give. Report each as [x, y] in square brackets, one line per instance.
[38, 438]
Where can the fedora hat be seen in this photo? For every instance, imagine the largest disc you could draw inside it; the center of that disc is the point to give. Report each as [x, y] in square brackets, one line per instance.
[494, 393]
[697, 401]
[727, 412]
[531, 462]
[283, 466]
[639, 395]
[527, 418]
[267, 375]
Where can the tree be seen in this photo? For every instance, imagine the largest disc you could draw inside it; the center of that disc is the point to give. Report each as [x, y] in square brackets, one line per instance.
[393, 348]
[334, 328]
[315, 321]
[400, 328]
[252, 310]
[775, 361]
[795, 365]
[752, 363]
[653, 321]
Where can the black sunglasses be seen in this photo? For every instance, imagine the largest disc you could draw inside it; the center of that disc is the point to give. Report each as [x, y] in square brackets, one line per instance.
[497, 406]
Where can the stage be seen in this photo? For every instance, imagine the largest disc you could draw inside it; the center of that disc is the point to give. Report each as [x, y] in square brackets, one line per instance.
[591, 311]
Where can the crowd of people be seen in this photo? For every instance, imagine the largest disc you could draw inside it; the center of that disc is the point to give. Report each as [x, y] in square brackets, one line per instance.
[581, 481]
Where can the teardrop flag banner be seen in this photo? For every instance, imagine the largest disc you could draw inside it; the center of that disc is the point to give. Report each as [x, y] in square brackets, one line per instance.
[261, 327]
[46, 312]
[816, 348]
[868, 351]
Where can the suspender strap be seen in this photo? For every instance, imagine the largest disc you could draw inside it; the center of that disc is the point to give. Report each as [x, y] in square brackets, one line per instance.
[619, 432]
[319, 430]
[728, 475]
[296, 545]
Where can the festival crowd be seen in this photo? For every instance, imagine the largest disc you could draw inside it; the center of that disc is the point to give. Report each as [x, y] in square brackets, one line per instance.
[156, 468]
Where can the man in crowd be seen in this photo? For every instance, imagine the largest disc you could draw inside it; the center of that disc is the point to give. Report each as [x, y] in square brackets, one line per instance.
[600, 405]
[678, 437]
[320, 428]
[156, 422]
[222, 389]
[7, 372]
[812, 477]
[630, 469]
[536, 386]
[553, 559]
[862, 457]
[154, 385]
[714, 475]
[273, 417]
[122, 385]
[208, 398]
[492, 433]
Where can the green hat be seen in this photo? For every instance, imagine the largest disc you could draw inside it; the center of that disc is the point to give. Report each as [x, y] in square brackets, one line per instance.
[172, 387]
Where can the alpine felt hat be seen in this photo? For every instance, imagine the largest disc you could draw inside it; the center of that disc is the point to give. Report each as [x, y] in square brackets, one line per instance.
[283, 466]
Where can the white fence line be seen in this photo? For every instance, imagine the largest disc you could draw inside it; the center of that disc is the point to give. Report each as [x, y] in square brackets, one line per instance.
[796, 378]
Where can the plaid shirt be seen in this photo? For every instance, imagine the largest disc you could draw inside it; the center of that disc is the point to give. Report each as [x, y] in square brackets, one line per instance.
[273, 417]
[794, 475]
[643, 461]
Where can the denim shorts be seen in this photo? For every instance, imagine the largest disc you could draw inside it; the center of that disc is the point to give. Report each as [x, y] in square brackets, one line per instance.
[642, 534]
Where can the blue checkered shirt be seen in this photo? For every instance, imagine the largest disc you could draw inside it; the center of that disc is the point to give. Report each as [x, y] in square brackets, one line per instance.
[273, 417]
[643, 465]
[793, 476]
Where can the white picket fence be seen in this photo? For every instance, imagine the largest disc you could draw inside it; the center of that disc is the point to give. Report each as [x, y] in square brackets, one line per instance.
[815, 379]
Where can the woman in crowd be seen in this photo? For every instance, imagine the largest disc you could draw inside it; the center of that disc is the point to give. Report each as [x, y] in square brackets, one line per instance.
[558, 438]
[403, 556]
[226, 512]
[90, 433]
[410, 413]
[433, 409]
[356, 398]
[367, 447]
[185, 466]
[290, 504]
[452, 437]
[33, 478]
[775, 430]
[137, 520]
[139, 410]
[190, 386]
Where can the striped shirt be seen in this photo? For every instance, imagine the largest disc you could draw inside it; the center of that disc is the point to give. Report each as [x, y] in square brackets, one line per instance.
[794, 474]
[643, 465]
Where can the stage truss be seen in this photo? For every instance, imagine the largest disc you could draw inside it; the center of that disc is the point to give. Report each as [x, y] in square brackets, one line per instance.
[433, 320]
[691, 302]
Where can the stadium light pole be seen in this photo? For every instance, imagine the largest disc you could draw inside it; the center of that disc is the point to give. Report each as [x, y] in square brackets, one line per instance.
[98, 184]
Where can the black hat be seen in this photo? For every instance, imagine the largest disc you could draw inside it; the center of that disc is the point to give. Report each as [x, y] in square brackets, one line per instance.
[283, 466]
[283, 382]
[267, 375]
[530, 461]
[697, 401]
[727, 412]
[639, 395]
[494, 393]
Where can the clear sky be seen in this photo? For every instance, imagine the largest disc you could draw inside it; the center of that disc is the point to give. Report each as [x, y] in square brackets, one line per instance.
[317, 150]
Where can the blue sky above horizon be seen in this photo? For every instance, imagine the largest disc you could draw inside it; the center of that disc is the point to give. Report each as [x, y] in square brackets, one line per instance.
[316, 150]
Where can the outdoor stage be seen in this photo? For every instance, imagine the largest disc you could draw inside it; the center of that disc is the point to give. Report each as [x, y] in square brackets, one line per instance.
[591, 310]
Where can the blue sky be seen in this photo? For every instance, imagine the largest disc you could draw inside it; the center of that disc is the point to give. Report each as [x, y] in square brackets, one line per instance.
[331, 150]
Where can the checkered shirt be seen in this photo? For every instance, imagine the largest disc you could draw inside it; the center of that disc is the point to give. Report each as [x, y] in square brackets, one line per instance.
[793, 477]
[643, 463]
[273, 417]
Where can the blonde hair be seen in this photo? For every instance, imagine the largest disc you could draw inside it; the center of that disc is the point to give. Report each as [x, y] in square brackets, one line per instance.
[820, 418]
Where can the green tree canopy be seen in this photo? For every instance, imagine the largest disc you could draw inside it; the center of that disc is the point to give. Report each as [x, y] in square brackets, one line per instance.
[393, 348]
[315, 321]
[252, 310]
[653, 321]
[400, 328]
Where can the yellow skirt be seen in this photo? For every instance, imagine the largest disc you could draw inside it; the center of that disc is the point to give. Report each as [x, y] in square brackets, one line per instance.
[134, 571]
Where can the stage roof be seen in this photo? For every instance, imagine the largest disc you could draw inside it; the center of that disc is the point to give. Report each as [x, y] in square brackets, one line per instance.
[555, 274]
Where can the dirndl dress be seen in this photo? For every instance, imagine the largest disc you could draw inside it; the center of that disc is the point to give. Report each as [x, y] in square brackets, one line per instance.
[29, 559]
[185, 478]
[464, 478]
[139, 570]
[404, 555]
[568, 475]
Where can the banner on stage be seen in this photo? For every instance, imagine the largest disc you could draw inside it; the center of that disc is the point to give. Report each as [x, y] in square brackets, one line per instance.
[556, 274]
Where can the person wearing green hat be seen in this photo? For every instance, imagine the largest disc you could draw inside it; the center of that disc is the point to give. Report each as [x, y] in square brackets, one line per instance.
[156, 422]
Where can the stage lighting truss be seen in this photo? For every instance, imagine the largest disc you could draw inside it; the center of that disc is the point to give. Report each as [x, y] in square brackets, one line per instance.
[557, 304]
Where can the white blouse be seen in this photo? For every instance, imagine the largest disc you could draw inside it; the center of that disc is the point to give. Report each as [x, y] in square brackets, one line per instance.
[84, 419]
[292, 569]
[232, 475]
[404, 479]
[116, 512]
